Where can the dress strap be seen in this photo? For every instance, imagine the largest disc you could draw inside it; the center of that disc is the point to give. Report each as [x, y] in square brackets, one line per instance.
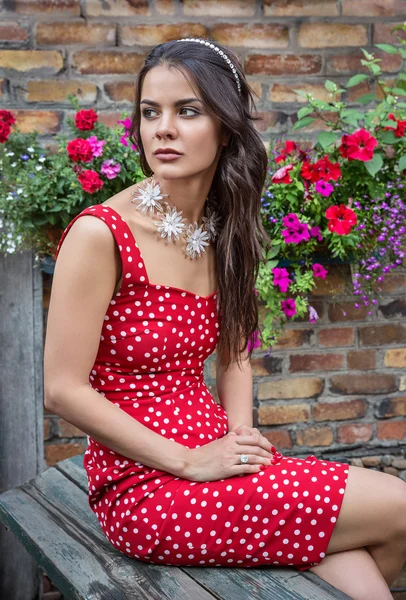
[133, 268]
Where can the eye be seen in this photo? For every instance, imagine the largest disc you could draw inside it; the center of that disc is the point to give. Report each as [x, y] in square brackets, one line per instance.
[146, 111]
[195, 112]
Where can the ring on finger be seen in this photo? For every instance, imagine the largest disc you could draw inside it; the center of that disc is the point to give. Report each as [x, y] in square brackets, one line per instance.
[243, 458]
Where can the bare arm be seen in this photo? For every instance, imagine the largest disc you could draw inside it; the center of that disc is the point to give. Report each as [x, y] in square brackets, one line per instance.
[84, 280]
[234, 388]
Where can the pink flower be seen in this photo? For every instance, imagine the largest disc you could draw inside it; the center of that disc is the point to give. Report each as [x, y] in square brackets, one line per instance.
[289, 307]
[291, 220]
[319, 271]
[313, 316]
[298, 234]
[123, 140]
[315, 232]
[257, 341]
[110, 169]
[281, 278]
[324, 188]
[97, 145]
[282, 175]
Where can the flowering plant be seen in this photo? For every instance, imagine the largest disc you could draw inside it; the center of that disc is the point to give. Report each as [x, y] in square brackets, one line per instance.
[340, 199]
[43, 189]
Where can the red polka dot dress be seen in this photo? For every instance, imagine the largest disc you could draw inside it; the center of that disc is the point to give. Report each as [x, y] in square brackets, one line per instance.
[150, 361]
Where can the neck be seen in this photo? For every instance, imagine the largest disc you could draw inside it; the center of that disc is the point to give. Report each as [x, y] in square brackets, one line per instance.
[187, 196]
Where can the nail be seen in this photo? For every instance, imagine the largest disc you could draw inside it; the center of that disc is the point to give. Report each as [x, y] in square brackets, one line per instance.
[262, 467]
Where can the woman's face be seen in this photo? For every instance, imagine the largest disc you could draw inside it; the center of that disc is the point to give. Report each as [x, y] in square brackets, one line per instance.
[172, 116]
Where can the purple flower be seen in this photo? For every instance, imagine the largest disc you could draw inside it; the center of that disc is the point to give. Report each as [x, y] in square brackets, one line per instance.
[319, 271]
[97, 145]
[110, 169]
[281, 278]
[289, 307]
[324, 188]
[313, 316]
[291, 220]
[315, 232]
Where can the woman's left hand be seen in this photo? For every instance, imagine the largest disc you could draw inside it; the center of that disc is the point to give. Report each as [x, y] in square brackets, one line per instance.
[245, 430]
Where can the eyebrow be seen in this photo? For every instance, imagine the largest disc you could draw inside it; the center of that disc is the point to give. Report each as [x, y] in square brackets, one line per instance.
[177, 103]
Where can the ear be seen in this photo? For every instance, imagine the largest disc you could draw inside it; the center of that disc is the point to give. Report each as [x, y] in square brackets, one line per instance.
[225, 139]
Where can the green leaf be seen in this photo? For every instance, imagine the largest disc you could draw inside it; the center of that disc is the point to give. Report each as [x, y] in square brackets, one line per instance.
[376, 69]
[330, 85]
[374, 165]
[272, 252]
[388, 137]
[402, 163]
[327, 138]
[387, 48]
[271, 264]
[398, 91]
[356, 79]
[303, 112]
[301, 93]
[366, 98]
[303, 123]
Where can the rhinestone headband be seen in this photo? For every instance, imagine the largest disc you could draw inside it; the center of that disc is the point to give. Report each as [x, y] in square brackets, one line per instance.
[220, 52]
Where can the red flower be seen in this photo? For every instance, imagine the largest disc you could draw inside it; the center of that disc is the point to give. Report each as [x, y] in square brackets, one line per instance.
[359, 145]
[307, 171]
[85, 119]
[290, 146]
[343, 149]
[80, 150]
[4, 131]
[282, 175]
[400, 126]
[7, 117]
[322, 169]
[341, 219]
[90, 181]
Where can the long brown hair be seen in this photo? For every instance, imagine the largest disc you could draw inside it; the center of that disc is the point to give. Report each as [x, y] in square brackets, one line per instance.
[237, 185]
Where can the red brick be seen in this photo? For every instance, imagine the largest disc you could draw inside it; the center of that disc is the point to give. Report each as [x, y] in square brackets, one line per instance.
[351, 63]
[337, 411]
[280, 438]
[315, 436]
[42, 121]
[357, 432]
[165, 7]
[120, 91]
[150, 35]
[269, 119]
[328, 35]
[283, 64]
[381, 335]
[394, 282]
[114, 8]
[289, 413]
[51, 90]
[101, 63]
[293, 338]
[284, 92]
[219, 8]
[373, 8]
[47, 428]
[109, 118]
[54, 453]
[256, 35]
[383, 33]
[373, 383]
[30, 60]
[336, 337]
[33, 7]
[315, 362]
[67, 430]
[346, 311]
[396, 358]
[355, 92]
[75, 33]
[391, 407]
[11, 31]
[395, 308]
[391, 430]
[266, 365]
[371, 461]
[289, 389]
[334, 283]
[300, 8]
[362, 360]
[3, 87]
[379, 92]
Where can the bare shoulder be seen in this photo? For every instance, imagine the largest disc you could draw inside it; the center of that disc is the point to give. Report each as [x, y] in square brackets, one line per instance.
[121, 203]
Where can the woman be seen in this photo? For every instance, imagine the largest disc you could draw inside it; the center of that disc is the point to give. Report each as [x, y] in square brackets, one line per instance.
[142, 295]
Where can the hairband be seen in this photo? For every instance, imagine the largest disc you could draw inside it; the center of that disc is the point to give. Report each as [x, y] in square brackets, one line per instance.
[220, 52]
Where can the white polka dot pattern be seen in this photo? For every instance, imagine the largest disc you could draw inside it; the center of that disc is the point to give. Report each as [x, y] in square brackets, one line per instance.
[150, 360]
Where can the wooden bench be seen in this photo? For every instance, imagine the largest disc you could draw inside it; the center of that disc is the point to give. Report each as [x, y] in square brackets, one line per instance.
[51, 517]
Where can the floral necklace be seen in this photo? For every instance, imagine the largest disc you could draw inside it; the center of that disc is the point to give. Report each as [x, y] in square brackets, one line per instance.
[172, 225]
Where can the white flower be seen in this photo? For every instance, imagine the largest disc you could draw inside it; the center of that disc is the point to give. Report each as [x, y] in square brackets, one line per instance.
[30, 149]
[19, 190]
[149, 198]
[14, 164]
[9, 153]
[211, 222]
[38, 168]
[171, 224]
[42, 159]
[197, 238]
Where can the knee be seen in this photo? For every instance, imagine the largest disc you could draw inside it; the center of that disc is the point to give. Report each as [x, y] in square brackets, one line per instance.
[397, 495]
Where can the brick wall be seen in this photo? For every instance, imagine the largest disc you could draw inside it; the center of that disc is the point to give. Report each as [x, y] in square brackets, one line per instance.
[336, 388]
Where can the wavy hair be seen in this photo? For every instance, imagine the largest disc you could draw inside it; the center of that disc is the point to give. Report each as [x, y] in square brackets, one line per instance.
[236, 189]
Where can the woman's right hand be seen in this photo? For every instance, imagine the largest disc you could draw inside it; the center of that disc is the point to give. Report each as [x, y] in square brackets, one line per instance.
[221, 458]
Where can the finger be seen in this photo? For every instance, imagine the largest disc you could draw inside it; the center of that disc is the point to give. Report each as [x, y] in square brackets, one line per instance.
[257, 441]
[257, 450]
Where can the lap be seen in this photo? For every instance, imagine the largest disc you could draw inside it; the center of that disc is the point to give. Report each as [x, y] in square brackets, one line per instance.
[367, 512]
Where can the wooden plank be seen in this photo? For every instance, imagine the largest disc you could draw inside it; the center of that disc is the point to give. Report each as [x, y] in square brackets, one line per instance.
[264, 583]
[21, 405]
[50, 515]
[239, 583]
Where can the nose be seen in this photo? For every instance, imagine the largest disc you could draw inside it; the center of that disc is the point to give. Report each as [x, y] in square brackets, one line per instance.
[165, 127]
